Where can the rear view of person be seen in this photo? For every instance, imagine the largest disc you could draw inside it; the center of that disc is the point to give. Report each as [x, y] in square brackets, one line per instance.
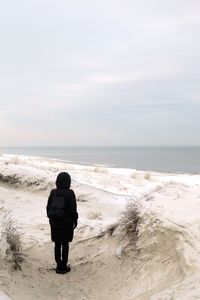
[63, 216]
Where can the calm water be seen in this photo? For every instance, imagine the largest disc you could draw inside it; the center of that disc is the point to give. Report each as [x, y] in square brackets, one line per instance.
[163, 159]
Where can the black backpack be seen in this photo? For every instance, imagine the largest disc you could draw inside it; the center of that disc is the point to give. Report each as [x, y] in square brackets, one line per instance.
[57, 207]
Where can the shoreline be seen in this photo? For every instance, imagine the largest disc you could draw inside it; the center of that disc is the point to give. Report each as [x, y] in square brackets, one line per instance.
[38, 174]
[93, 165]
[155, 159]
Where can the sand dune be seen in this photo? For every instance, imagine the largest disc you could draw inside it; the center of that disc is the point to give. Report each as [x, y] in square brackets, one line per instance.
[164, 263]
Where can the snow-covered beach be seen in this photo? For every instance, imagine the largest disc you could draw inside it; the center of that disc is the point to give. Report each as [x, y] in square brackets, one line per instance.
[164, 263]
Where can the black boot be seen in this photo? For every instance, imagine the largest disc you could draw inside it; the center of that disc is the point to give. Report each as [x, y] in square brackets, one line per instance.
[65, 268]
[59, 269]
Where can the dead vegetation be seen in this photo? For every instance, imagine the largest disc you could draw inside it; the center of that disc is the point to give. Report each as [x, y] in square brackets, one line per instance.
[10, 179]
[36, 184]
[111, 228]
[13, 233]
[130, 220]
[136, 175]
[127, 226]
[147, 175]
[99, 169]
[82, 198]
[95, 215]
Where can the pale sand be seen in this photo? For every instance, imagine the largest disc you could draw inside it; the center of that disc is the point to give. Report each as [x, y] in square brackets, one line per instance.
[164, 265]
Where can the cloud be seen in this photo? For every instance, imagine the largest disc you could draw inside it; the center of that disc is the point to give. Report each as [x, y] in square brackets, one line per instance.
[111, 69]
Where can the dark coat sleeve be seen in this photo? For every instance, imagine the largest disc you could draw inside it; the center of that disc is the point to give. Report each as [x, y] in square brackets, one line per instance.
[49, 201]
[73, 208]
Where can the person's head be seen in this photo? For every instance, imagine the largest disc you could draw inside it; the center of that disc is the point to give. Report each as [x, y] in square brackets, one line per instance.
[63, 180]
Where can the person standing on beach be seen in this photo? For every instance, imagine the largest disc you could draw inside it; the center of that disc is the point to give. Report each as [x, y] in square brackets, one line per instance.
[62, 213]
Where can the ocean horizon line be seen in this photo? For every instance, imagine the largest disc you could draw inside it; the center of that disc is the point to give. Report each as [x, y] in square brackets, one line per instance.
[115, 146]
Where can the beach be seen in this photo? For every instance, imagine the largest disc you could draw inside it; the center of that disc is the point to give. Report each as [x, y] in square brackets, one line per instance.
[162, 263]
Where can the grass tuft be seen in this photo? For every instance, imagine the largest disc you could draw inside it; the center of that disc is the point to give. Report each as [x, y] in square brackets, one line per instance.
[13, 237]
[130, 220]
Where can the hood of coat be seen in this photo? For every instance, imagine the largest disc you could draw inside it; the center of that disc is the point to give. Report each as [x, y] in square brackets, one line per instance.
[63, 181]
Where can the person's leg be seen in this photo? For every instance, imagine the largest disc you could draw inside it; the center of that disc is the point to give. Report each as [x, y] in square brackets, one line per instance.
[57, 252]
[65, 252]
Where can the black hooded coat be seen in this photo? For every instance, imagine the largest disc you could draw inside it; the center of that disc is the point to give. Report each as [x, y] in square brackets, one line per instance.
[62, 230]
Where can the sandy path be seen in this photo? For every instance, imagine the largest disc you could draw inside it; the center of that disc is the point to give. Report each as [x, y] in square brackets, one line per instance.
[91, 276]
[38, 279]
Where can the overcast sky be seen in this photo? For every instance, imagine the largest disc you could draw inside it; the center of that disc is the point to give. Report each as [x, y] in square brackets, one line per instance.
[104, 72]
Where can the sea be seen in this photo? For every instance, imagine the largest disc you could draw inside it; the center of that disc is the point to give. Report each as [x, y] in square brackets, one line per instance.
[171, 159]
